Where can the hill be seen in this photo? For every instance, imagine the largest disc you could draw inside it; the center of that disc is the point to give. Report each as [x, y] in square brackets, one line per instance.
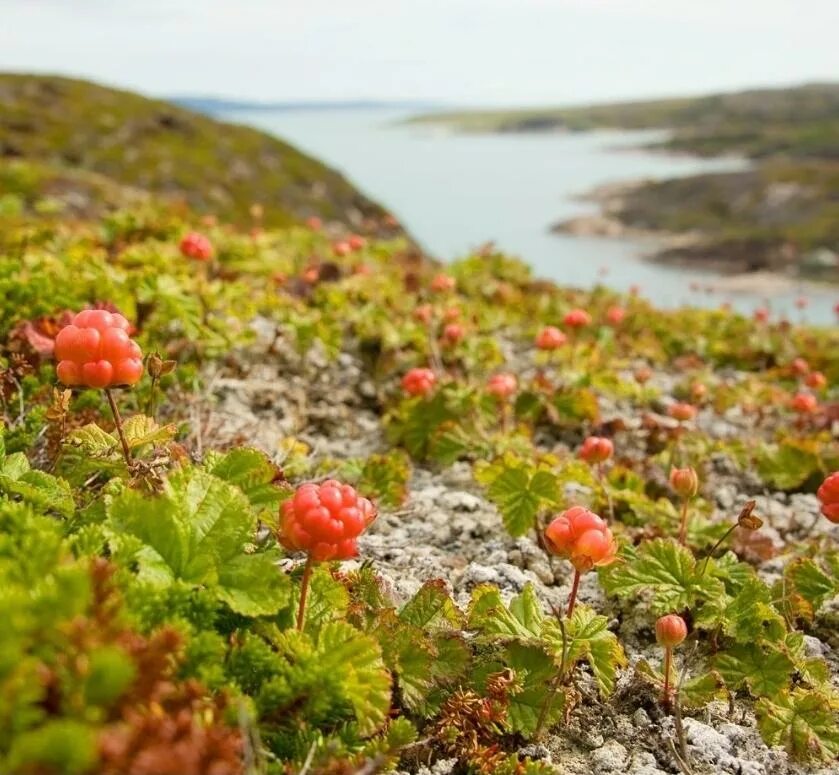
[781, 214]
[71, 129]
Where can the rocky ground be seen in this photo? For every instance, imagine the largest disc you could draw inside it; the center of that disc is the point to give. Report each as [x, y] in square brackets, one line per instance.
[447, 529]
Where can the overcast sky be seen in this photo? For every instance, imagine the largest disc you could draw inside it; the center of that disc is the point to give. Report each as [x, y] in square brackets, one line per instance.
[454, 51]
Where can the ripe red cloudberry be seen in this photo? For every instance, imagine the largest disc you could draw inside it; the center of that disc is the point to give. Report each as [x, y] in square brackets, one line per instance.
[550, 338]
[615, 315]
[419, 382]
[577, 318]
[828, 494]
[325, 520]
[596, 449]
[95, 350]
[196, 246]
[502, 386]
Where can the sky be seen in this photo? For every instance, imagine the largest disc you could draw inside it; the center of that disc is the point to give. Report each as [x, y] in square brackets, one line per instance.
[457, 52]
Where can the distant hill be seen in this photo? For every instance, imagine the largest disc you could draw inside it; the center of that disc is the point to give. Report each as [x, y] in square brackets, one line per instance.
[781, 214]
[79, 138]
[216, 105]
[801, 121]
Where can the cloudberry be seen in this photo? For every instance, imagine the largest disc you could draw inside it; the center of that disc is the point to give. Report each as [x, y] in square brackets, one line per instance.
[828, 494]
[577, 318]
[325, 520]
[502, 386]
[596, 449]
[419, 382]
[550, 338]
[196, 246]
[681, 411]
[670, 630]
[95, 350]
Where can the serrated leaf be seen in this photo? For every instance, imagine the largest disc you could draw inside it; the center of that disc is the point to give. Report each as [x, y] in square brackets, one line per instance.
[805, 723]
[252, 472]
[328, 600]
[788, 465]
[364, 679]
[488, 614]
[535, 669]
[589, 638]
[197, 530]
[519, 496]
[765, 671]
[666, 571]
[140, 430]
[811, 582]
[697, 692]
[749, 617]
[93, 441]
[431, 608]
[44, 491]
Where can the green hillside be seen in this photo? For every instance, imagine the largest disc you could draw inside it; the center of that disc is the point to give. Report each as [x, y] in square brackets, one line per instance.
[71, 130]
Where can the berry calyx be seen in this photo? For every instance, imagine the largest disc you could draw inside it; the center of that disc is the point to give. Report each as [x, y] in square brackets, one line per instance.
[550, 338]
[596, 449]
[325, 520]
[828, 494]
[419, 382]
[670, 630]
[95, 351]
[196, 246]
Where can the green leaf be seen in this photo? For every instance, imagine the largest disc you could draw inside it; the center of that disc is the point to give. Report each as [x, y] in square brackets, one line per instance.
[364, 680]
[488, 614]
[535, 669]
[749, 617]
[252, 472]
[765, 671]
[589, 638]
[431, 608]
[197, 530]
[805, 723]
[788, 465]
[811, 582]
[667, 572]
[519, 496]
[44, 491]
[140, 430]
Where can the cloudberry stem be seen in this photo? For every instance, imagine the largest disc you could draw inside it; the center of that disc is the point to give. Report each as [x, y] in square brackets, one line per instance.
[126, 450]
[665, 697]
[573, 597]
[304, 592]
[602, 479]
[683, 525]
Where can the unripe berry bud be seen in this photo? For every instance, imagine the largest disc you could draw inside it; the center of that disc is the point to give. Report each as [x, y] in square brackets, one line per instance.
[596, 449]
[670, 630]
[682, 411]
[684, 482]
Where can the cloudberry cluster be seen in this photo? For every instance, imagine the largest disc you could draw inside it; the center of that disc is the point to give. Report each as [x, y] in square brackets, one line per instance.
[419, 382]
[96, 351]
[582, 537]
[325, 520]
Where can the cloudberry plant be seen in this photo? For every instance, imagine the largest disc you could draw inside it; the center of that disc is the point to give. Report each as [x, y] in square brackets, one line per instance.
[196, 246]
[95, 351]
[582, 537]
[323, 521]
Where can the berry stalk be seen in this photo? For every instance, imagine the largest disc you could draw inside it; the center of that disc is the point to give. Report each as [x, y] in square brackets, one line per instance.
[572, 599]
[304, 592]
[126, 450]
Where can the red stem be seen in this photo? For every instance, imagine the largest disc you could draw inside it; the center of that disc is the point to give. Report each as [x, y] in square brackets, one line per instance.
[304, 592]
[126, 450]
[573, 597]
[668, 655]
